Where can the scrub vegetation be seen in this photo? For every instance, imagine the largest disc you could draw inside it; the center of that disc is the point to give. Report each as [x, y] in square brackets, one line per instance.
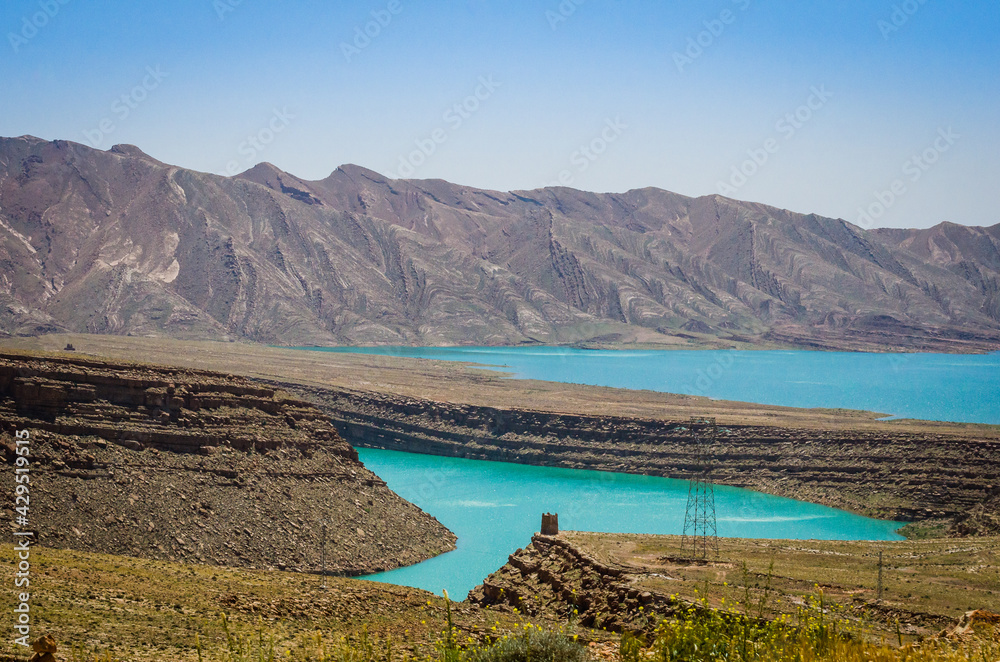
[105, 608]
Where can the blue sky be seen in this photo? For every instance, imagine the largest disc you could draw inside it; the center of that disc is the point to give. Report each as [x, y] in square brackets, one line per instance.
[888, 106]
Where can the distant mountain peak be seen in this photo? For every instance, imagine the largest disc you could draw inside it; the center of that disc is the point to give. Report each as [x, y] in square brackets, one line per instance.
[124, 149]
[353, 171]
[264, 168]
[273, 177]
[95, 244]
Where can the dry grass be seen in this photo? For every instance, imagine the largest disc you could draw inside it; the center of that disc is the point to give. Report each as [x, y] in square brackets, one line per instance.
[115, 609]
[927, 583]
[816, 633]
[145, 610]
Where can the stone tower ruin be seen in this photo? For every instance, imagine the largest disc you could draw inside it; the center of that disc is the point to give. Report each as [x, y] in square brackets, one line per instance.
[550, 524]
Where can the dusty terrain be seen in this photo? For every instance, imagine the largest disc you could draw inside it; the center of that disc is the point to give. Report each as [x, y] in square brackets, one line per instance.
[617, 581]
[942, 474]
[144, 610]
[118, 242]
[148, 610]
[182, 464]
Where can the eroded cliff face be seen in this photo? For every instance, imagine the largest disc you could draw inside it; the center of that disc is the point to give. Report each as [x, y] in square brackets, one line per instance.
[198, 466]
[892, 475]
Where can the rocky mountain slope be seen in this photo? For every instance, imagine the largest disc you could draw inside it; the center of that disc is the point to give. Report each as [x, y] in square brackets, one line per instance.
[118, 242]
[197, 466]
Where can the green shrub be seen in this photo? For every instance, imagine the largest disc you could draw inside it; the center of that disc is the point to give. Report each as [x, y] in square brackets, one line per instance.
[533, 645]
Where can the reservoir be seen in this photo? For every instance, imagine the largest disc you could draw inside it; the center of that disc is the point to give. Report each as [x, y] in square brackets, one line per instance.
[495, 507]
[941, 387]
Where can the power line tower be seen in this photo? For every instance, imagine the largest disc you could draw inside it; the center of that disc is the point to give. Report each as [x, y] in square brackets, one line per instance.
[700, 534]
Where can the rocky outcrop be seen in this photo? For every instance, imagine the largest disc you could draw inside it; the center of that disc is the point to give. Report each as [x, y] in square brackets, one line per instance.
[168, 409]
[971, 622]
[45, 649]
[198, 466]
[553, 577]
[983, 519]
[894, 475]
[630, 582]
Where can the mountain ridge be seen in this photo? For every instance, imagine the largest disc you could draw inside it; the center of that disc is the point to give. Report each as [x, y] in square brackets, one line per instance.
[118, 242]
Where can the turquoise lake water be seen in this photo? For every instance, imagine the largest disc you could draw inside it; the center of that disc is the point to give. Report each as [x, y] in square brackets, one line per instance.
[942, 387]
[494, 507]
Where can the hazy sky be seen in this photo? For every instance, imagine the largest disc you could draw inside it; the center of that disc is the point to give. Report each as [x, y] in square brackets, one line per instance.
[825, 107]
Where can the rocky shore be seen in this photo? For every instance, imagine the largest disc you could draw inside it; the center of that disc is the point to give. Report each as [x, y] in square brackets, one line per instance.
[901, 475]
[553, 577]
[190, 465]
[618, 582]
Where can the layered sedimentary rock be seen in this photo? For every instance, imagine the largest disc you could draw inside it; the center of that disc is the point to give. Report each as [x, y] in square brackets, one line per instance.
[982, 519]
[888, 474]
[199, 466]
[554, 577]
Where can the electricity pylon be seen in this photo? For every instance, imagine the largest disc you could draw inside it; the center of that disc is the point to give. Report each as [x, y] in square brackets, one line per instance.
[700, 533]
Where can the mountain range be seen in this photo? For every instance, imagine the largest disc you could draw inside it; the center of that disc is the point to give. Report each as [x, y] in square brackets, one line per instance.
[117, 242]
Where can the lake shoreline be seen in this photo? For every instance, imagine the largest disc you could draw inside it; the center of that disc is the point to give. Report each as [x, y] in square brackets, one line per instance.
[700, 345]
[928, 479]
[929, 467]
[929, 387]
[494, 509]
